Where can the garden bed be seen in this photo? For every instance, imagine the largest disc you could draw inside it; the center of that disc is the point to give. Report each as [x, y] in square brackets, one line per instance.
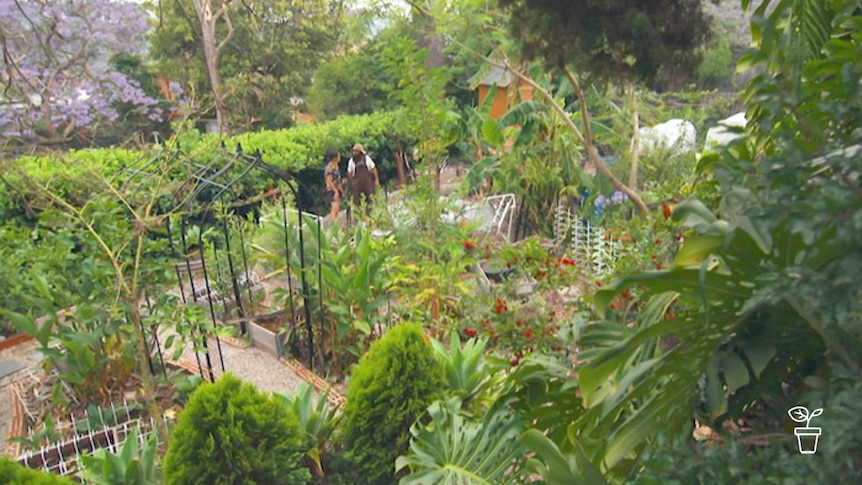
[268, 331]
[45, 435]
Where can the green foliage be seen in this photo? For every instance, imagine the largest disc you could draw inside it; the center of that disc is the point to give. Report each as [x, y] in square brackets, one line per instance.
[555, 467]
[350, 270]
[677, 460]
[271, 56]
[621, 40]
[390, 389]
[454, 449]
[353, 83]
[318, 421]
[13, 473]
[127, 467]
[807, 99]
[466, 370]
[229, 433]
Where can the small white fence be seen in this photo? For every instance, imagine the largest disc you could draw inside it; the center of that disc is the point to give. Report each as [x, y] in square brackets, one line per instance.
[99, 429]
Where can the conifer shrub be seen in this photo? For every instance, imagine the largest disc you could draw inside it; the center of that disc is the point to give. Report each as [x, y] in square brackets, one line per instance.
[230, 433]
[12, 472]
[391, 387]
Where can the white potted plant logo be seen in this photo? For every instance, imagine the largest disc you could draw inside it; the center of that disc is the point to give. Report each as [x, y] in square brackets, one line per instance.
[807, 436]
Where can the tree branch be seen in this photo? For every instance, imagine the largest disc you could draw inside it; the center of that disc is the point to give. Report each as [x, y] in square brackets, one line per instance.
[223, 11]
[588, 136]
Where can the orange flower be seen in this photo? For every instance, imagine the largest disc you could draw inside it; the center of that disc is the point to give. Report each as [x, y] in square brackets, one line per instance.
[469, 245]
[665, 210]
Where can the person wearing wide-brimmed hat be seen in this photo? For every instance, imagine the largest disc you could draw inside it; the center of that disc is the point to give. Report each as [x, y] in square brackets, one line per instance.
[363, 175]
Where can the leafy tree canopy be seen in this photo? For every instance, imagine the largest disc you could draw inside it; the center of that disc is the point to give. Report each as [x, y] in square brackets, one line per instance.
[611, 39]
[270, 58]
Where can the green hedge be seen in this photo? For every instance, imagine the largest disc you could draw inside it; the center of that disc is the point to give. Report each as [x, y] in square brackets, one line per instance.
[293, 149]
[70, 174]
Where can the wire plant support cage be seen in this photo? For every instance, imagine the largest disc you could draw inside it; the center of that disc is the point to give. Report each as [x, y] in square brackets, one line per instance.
[212, 263]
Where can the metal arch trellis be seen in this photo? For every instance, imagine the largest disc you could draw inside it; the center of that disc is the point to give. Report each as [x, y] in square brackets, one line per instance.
[215, 179]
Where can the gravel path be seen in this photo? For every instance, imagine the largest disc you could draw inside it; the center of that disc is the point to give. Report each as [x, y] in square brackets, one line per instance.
[250, 364]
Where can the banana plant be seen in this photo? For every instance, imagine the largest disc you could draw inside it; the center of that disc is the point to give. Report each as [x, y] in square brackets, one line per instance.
[127, 467]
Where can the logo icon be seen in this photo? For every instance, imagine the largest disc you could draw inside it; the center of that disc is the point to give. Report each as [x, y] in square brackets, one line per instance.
[806, 436]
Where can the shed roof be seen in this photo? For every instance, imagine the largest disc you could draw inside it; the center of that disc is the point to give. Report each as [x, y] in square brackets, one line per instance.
[496, 75]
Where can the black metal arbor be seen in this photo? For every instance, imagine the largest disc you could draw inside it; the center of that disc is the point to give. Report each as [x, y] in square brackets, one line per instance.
[213, 268]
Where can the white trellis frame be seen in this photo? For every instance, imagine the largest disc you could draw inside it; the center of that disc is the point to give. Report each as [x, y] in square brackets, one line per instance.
[585, 242]
[503, 207]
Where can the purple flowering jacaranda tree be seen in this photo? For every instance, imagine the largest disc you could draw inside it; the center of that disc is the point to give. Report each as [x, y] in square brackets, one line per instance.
[56, 77]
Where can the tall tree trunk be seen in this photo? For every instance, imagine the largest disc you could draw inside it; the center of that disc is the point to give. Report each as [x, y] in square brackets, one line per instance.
[212, 50]
[633, 172]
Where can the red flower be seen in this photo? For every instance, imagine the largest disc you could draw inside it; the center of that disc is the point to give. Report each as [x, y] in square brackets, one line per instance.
[469, 245]
[599, 284]
[658, 241]
[528, 333]
[671, 316]
[627, 293]
[470, 332]
[658, 266]
[501, 306]
[665, 210]
[566, 261]
[515, 362]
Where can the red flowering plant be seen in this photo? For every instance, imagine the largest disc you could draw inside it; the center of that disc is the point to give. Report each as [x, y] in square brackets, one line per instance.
[517, 328]
[538, 263]
[650, 244]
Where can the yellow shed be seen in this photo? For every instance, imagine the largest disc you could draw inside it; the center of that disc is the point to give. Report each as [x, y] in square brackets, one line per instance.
[507, 87]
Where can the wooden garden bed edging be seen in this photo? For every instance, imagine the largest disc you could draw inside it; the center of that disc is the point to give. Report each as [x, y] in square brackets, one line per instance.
[334, 397]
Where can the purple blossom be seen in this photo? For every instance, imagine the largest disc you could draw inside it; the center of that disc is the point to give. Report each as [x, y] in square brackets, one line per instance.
[618, 197]
[58, 69]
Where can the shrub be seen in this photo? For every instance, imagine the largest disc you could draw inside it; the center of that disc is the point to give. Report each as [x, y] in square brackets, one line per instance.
[391, 387]
[230, 433]
[12, 472]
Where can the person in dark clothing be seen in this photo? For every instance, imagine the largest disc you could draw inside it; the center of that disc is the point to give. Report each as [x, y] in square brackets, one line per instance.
[334, 187]
[363, 175]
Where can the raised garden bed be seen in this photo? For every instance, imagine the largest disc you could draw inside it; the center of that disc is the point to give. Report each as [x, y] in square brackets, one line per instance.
[268, 332]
